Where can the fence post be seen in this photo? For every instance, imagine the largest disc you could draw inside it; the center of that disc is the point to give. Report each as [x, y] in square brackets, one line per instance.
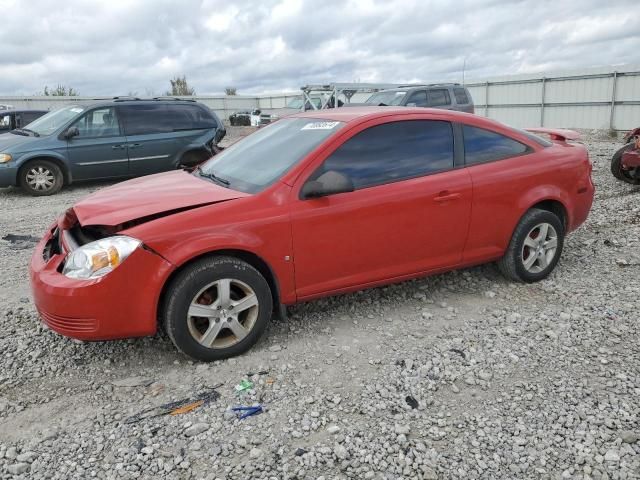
[486, 99]
[613, 99]
[544, 84]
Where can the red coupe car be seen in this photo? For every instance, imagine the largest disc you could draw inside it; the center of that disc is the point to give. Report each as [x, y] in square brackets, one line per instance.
[316, 204]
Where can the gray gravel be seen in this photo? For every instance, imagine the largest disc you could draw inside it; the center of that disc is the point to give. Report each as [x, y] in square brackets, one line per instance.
[458, 376]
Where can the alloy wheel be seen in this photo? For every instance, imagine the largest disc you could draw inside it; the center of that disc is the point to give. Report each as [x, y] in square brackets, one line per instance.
[539, 248]
[222, 313]
[40, 178]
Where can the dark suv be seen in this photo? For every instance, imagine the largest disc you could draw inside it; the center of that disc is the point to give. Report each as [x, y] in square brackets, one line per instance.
[449, 96]
[122, 137]
[12, 119]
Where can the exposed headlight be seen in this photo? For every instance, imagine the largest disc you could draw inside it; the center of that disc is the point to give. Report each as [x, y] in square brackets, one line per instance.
[5, 157]
[98, 258]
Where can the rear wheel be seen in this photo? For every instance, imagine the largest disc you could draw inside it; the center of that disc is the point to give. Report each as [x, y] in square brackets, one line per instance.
[41, 177]
[619, 172]
[535, 247]
[216, 308]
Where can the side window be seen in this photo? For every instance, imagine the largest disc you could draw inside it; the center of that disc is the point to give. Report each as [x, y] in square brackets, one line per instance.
[484, 146]
[146, 118]
[439, 97]
[101, 122]
[461, 96]
[5, 122]
[393, 151]
[419, 98]
[190, 117]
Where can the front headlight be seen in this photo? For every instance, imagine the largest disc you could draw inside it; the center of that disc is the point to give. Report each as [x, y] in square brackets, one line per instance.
[5, 157]
[98, 258]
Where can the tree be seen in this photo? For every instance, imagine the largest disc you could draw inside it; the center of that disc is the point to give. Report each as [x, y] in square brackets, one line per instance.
[230, 91]
[180, 87]
[60, 91]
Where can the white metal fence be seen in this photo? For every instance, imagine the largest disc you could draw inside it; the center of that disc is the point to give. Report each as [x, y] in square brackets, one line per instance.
[604, 98]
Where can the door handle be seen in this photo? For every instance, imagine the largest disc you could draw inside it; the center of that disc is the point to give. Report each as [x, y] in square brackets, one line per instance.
[117, 147]
[135, 145]
[447, 196]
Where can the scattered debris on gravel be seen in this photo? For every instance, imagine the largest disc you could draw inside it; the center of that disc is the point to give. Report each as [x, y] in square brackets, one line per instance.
[458, 376]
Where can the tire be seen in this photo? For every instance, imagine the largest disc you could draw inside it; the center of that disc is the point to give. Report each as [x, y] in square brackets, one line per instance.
[224, 332]
[41, 177]
[523, 249]
[618, 171]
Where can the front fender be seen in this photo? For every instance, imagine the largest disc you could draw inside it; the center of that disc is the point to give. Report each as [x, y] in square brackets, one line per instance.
[45, 154]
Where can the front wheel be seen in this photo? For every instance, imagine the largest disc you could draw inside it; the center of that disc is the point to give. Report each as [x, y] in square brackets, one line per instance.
[41, 177]
[216, 308]
[535, 247]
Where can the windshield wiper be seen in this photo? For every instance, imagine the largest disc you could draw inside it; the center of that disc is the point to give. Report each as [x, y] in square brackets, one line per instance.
[212, 176]
[23, 131]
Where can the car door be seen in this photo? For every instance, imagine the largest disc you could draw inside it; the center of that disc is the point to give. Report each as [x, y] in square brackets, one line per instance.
[99, 150]
[150, 138]
[409, 211]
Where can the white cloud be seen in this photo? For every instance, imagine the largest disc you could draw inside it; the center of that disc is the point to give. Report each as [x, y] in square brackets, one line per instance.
[116, 47]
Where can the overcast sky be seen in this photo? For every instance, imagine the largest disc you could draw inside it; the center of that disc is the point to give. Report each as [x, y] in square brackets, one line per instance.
[120, 47]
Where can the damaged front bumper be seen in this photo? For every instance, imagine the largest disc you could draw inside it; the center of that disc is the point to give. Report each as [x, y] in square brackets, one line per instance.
[121, 304]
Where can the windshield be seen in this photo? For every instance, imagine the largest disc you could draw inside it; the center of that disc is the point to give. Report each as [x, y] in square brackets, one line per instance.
[52, 121]
[393, 97]
[260, 159]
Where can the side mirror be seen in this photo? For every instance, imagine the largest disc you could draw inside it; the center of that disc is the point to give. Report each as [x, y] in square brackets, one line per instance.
[329, 183]
[71, 132]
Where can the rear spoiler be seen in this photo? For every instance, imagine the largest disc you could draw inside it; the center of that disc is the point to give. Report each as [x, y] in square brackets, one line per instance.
[558, 134]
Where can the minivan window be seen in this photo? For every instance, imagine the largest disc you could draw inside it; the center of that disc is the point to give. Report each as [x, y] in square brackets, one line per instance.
[394, 151]
[101, 122]
[145, 118]
[260, 159]
[439, 97]
[52, 121]
[190, 117]
[162, 118]
[482, 145]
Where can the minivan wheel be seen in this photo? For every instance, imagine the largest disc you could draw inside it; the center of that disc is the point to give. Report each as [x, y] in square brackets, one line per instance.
[41, 177]
[216, 308]
[535, 247]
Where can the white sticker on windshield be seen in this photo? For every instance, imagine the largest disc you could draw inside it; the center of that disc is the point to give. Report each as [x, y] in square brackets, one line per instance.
[76, 110]
[320, 126]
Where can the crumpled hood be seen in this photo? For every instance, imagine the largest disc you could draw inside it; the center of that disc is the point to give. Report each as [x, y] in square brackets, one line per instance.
[149, 196]
[11, 143]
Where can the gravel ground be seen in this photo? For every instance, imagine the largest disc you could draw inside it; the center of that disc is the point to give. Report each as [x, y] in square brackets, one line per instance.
[461, 376]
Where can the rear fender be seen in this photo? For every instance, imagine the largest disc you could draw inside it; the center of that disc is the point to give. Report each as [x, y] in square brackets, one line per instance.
[544, 193]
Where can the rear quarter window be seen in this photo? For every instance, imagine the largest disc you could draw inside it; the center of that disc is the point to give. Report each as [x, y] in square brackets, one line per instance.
[461, 96]
[482, 146]
[190, 117]
[439, 97]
